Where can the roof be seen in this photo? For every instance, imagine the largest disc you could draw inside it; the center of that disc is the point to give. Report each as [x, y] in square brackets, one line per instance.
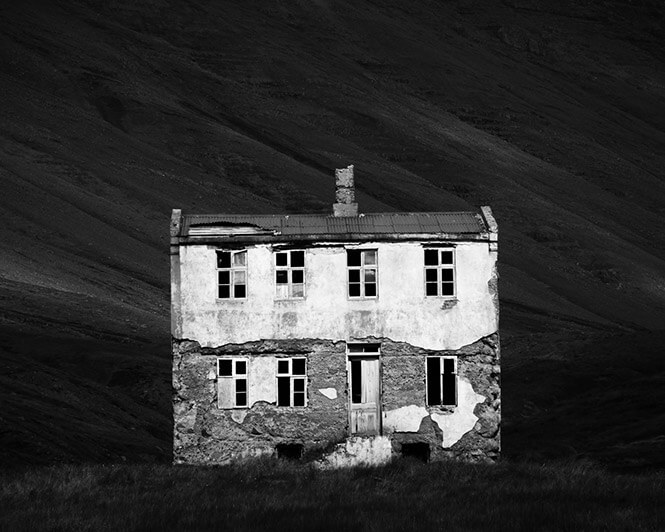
[199, 228]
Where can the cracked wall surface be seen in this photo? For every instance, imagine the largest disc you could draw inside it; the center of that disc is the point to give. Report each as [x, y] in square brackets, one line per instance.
[207, 434]
[401, 311]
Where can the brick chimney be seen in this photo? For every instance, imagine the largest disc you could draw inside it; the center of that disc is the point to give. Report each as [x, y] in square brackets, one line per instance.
[345, 193]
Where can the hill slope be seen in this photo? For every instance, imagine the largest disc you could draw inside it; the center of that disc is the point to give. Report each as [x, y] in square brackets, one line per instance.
[114, 112]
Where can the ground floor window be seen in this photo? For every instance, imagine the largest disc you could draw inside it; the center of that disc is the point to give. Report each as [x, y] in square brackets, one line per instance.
[291, 381]
[441, 381]
[232, 385]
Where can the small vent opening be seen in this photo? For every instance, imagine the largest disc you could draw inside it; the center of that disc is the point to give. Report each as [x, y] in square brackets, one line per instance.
[289, 451]
[418, 450]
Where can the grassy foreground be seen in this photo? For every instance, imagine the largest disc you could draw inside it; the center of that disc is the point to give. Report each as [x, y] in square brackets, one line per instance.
[273, 495]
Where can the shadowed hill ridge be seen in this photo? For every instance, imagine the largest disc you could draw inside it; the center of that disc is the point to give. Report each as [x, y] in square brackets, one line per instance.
[115, 112]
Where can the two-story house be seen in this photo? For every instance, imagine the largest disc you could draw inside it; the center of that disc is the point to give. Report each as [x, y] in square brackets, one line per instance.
[354, 337]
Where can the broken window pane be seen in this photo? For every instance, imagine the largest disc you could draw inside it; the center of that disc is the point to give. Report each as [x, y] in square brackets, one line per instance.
[281, 259]
[370, 289]
[240, 259]
[281, 276]
[283, 366]
[283, 391]
[430, 289]
[431, 257]
[447, 289]
[241, 367]
[241, 398]
[353, 257]
[298, 385]
[225, 367]
[298, 366]
[241, 385]
[224, 277]
[430, 275]
[446, 257]
[297, 259]
[448, 365]
[354, 276]
[223, 259]
[298, 398]
[297, 276]
[354, 290]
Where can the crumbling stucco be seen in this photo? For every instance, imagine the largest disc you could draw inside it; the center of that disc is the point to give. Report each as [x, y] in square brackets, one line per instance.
[330, 393]
[205, 433]
[456, 424]
[357, 451]
[404, 419]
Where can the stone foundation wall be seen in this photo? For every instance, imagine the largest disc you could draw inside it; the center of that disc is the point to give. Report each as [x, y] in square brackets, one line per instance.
[206, 434]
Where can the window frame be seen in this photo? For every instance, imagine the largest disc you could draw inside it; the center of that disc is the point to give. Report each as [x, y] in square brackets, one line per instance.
[362, 269]
[439, 268]
[441, 373]
[292, 378]
[232, 379]
[231, 271]
[289, 269]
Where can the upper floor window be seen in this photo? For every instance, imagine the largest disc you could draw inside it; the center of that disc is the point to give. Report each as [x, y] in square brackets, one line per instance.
[232, 388]
[442, 381]
[291, 381]
[290, 274]
[440, 272]
[232, 274]
[362, 272]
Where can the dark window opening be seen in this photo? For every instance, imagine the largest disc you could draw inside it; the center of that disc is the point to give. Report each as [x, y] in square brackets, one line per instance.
[418, 450]
[225, 368]
[241, 392]
[433, 381]
[289, 451]
[297, 259]
[283, 366]
[283, 391]
[355, 381]
[298, 366]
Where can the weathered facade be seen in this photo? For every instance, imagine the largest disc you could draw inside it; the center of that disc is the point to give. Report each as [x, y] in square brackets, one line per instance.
[350, 338]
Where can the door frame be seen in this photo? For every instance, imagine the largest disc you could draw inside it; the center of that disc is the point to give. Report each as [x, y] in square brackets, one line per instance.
[373, 352]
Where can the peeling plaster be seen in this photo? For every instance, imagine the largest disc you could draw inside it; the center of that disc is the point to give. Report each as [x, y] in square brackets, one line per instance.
[239, 415]
[462, 420]
[400, 312]
[359, 451]
[330, 393]
[404, 419]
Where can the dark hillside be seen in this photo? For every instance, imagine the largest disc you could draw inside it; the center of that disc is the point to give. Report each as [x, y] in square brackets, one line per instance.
[113, 112]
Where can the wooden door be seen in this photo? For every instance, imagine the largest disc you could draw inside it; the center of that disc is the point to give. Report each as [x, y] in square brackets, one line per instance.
[365, 396]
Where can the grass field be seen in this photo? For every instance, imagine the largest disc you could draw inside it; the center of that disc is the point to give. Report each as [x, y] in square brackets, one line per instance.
[279, 495]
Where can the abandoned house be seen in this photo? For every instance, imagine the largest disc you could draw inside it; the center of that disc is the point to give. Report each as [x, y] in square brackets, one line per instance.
[346, 338]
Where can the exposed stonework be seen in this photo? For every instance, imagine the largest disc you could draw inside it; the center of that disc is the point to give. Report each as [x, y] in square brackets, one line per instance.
[205, 433]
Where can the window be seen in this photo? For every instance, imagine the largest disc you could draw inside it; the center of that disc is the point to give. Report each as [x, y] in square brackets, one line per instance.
[442, 381]
[291, 381]
[232, 386]
[440, 272]
[290, 274]
[362, 272]
[231, 274]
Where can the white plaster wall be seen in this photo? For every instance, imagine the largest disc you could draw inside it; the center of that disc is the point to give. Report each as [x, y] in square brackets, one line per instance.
[401, 312]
